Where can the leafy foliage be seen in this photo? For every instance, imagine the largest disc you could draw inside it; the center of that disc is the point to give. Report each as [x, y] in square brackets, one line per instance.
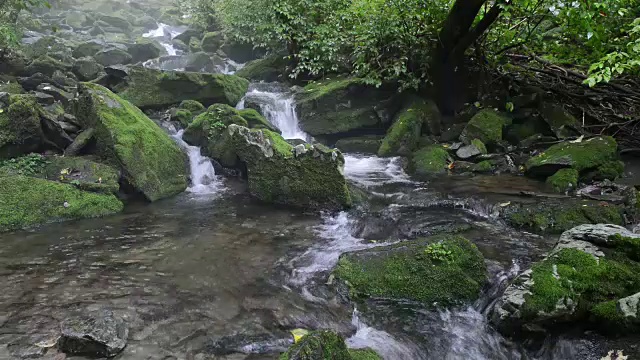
[9, 10]
[28, 165]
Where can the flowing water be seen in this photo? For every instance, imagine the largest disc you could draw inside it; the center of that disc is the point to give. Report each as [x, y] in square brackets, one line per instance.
[164, 34]
[199, 277]
[278, 106]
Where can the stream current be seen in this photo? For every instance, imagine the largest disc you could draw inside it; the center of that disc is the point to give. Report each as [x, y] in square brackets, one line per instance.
[215, 274]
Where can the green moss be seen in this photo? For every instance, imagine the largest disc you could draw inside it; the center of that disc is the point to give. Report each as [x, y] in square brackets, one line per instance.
[404, 135]
[20, 131]
[149, 88]
[408, 271]
[629, 246]
[480, 145]
[318, 345]
[610, 170]
[11, 88]
[192, 105]
[364, 354]
[486, 126]
[182, 116]
[428, 161]
[585, 155]
[150, 160]
[557, 217]
[563, 180]
[211, 41]
[256, 120]
[81, 172]
[571, 275]
[483, 166]
[310, 180]
[318, 89]
[268, 69]
[26, 201]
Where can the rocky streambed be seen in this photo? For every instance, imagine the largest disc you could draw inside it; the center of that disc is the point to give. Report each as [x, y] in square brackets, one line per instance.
[214, 220]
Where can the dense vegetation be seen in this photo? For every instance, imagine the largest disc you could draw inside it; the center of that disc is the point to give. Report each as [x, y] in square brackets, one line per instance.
[405, 40]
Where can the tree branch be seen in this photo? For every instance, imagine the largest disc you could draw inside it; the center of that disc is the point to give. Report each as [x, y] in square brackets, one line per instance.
[473, 34]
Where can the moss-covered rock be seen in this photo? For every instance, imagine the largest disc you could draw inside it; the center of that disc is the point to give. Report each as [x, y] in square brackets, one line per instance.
[318, 345]
[487, 126]
[150, 160]
[212, 41]
[46, 65]
[404, 135]
[144, 49]
[342, 105]
[429, 161]
[112, 56]
[585, 277]
[563, 180]
[192, 105]
[364, 354]
[561, 123]
[556, 216]
[81, 172]
[256, 120]
[149, 88]
[11, 87]
[182, 116]
[27, 201]
[309, 176]
[195, 45]
[269, 69]
[582, 156]
[20, 129]
[87, 68]
[361, 144]
[438, 271]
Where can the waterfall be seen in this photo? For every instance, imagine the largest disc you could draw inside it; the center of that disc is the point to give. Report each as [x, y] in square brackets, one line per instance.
[278, 106]
[203, 175]
[164, 34]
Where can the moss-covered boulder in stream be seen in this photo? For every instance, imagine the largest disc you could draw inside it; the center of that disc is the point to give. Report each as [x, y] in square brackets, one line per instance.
[28, 201]
[318, 345]
[150, 160]
[149, 88]
[20, 129]
[344, 105]
[437, 271]
[564, 180]
[83, 173]
[561, 214]
[584, 156]
[404, 135]
[269, 69]
[591, 276]
[308, 176]
[428, 161]
[487, 126]
[360, 144]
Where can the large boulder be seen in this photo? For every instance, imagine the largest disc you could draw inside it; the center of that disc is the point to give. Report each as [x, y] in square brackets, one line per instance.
[46, 65]
[212, 41]
[28, 201]
[404, 135]
[20, 128]
[429, 161]
[344, 105]
[88, 48]
[87, 68]
[269, 69]
[592, 275]
[150, 160]
[117, 22]
[561, 123]
[98, 334]
[82, 172]
[486, 126]
[599, 154]
[360, 144]
[437, 271]
[112, 56]
[149, 88]
[145, 49]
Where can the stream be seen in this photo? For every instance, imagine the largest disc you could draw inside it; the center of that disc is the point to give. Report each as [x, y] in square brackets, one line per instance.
[213, 273]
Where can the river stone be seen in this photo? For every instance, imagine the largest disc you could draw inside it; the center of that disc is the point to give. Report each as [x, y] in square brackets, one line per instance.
[117, 22]
[403, 137]
[468, 151]
[88, 48]
[20, 127]
[321, 344]
[145, 49]
[486, 126]
[100, 334]
[582, 156]
[150, 160]
[560, 121]
[112, 56]
[343, 105]
[629, 307]
[597, 234]
[149, 88]
[87, 68]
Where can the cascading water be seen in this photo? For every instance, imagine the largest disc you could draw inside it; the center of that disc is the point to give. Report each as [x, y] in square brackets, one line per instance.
[278, 106]
[203, 175]
[164, 34]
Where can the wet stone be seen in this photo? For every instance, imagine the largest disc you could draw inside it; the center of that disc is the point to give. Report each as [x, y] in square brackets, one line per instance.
[99, 334]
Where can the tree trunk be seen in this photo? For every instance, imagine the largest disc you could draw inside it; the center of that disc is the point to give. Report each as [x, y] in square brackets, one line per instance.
[456, 36]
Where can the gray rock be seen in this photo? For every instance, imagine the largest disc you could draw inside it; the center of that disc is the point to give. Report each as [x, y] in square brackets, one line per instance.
[31, 83]
[145, 50]
[87, 68]
[200, 62]
[117, 22]
[57, 93]
[89, 48]
[598, 234]
[80, 142]
[112, 56]
[100, 334]
[468, 151]
[44, 99]
[629, 307]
